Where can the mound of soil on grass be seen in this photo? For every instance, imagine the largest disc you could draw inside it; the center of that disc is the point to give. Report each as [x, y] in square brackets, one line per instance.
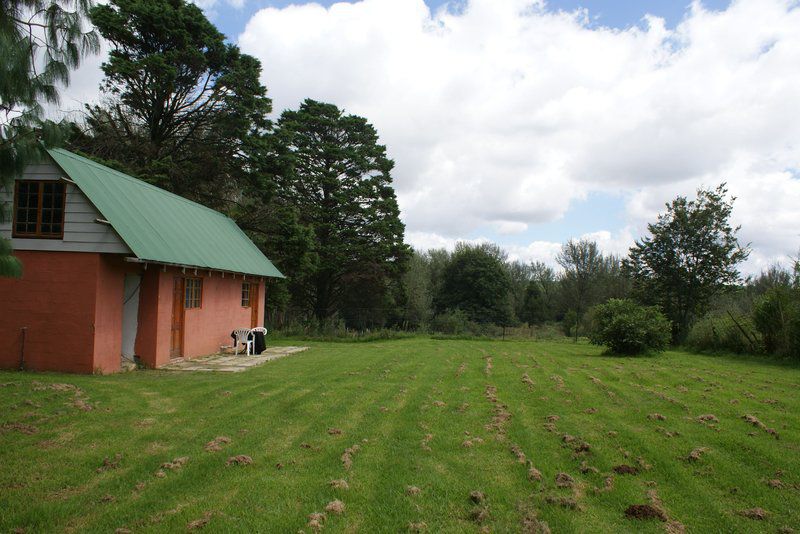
[644, 511]
[624, 469]
[239, 459]
[216, 444]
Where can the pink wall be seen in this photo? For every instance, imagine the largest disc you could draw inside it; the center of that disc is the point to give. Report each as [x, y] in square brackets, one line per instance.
[155, 316]
[71, 304]
[108, 311]
[55, 300]
[208, 328]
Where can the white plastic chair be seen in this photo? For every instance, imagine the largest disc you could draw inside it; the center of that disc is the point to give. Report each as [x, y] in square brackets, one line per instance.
[243, 336]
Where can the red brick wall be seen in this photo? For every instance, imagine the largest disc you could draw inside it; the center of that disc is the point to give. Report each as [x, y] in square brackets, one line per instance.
[71, 304]
[209, 327]
[55, 300]
[108, 311]
[155, 316]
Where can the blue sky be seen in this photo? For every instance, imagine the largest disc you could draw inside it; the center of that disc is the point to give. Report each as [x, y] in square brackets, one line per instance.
[617, 14]
[529, 128]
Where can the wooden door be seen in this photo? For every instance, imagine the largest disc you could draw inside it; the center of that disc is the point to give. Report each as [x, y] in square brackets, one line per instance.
[176, 343]
[254, 293]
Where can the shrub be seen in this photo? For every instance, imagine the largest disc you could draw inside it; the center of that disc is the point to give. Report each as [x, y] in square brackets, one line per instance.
[725, 332]
[628, 328]
[777, 318]
[452, 322]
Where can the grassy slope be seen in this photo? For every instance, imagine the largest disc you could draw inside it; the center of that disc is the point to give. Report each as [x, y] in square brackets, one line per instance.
[381, 395]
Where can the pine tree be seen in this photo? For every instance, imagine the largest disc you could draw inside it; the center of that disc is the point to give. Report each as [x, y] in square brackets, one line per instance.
[40, 42]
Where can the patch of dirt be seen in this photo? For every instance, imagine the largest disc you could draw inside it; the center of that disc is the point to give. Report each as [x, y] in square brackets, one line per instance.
[463, 408]
[516, 450]
[159, 474]
[668, 433]
[608, 485]
[624, 469]
[197, 524]
[753, 420]
[488, 368]
[775, 483]
[563, 480]
[420, 526]
[479, 514]
[177, 463]
[477, 496]
[413, 490]
[339, 483]
[707, 418]
[552, 418]
[696, 454]
[461, 369]
[532, 525]
[590, 410]
[347, 456]
[533, 473]
[643, 465]
[139, 486]
[439, 404]
[334, 431]
[656, 417]
[109, 464]
[315, 521]
[216, 444]
[527, 381]
[22, 428]
[754, 513]
[424, 444]
[559, 381]
[501, 413]
[586, 468]
[239, 459]
[107, 498]
[644, 511]
[550, 427]
[335, 507]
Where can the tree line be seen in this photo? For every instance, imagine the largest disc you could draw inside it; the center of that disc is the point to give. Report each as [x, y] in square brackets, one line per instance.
[184, 109]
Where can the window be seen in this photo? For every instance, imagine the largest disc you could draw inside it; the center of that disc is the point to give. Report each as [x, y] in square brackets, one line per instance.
[246, 295]
[39, 209]
[193, 293]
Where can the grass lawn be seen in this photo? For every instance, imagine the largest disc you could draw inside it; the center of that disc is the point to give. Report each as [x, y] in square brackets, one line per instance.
[446, 417]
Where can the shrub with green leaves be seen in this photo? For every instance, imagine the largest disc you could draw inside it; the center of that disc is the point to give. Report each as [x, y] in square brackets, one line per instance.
[628, 328]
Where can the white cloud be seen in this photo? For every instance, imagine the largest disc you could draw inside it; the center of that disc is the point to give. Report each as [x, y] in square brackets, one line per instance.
[501, 114]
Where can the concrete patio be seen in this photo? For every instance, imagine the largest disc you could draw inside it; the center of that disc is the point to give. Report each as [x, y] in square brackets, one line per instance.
[228, 363]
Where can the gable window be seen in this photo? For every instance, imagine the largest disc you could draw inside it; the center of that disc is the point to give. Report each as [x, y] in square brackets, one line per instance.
[246, 295]
[39, 209]
[193, 294]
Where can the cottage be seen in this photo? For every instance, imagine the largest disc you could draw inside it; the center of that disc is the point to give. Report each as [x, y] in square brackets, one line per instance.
[115, 268]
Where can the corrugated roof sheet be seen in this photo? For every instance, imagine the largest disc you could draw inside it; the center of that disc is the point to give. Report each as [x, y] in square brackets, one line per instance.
[162, 227]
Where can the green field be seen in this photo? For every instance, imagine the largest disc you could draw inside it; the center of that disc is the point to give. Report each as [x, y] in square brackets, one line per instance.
[444, 417]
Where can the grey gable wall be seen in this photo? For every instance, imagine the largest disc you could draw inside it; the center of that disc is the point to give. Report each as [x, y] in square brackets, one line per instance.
[81, 232]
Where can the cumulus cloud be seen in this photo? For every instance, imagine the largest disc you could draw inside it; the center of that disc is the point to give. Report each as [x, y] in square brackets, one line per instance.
[500, 115]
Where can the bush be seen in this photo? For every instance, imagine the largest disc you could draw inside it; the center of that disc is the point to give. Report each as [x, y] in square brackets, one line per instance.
[628, 328]
[451, 322]
[777, 318]
[725, 333]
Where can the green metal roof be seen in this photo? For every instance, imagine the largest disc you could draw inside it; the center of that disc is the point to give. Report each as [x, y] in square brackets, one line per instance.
[162, 227]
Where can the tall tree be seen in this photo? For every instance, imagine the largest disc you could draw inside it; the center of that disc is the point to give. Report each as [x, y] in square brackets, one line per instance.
[185, 109]
[339, 178]
[477, 282]
[582, 263]
[691, 255]
[40, 42]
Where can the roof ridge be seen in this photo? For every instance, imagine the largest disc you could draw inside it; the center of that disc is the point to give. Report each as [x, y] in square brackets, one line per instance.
[138, 181]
